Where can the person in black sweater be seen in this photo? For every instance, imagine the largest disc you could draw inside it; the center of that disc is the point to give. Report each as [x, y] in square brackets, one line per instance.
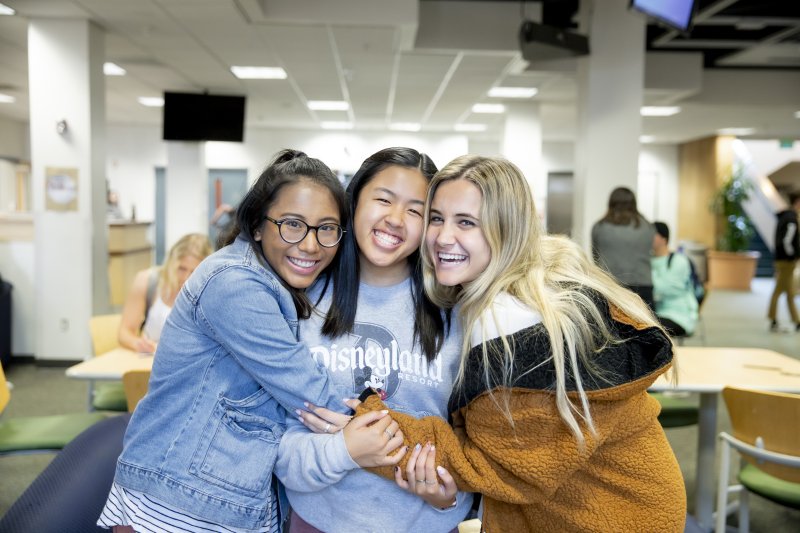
[787, 252]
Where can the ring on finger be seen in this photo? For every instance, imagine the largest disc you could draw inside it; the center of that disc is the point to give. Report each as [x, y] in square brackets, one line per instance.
[421, 481]
[388, 433]
[328, 427]
[430, 482]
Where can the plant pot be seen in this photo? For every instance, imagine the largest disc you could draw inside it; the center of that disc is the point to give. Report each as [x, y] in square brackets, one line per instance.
[731, 270]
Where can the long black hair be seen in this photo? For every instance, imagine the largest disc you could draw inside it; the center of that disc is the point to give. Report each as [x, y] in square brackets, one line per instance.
[288, 167]
[429, 320]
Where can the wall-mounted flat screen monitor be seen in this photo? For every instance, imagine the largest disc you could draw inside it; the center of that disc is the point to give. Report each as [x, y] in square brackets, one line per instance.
[676, 14]
[203, 117]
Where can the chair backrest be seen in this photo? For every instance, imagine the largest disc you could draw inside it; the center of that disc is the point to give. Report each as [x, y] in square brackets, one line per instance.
[135, 384]
[5, 394]
[772, 416]
[105, 332]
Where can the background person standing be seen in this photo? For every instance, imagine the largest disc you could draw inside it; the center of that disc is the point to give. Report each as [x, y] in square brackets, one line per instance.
[621, 243]
[787, 251]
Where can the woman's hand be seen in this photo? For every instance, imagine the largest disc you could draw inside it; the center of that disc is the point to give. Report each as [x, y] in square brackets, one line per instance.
[145, 345]
[421, 478]
[322, 420]
[371, 437]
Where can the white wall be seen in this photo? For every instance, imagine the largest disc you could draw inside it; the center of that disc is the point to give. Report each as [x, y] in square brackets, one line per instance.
[657, 194]
[558, 157]
[133, 152]
[768, 156]
[14, 139]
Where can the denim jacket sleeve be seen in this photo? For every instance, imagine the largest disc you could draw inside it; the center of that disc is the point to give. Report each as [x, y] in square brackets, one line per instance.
[252, 317]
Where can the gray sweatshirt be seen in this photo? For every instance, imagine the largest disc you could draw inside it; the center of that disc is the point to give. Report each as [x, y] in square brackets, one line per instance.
[324, 485]
[624, 251]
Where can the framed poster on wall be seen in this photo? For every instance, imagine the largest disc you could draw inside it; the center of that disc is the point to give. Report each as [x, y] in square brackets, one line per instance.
[61, 189]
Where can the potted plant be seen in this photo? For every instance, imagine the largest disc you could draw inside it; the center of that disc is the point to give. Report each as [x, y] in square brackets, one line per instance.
[731, 265]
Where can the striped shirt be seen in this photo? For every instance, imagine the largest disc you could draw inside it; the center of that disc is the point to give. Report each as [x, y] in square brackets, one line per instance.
[145, 514]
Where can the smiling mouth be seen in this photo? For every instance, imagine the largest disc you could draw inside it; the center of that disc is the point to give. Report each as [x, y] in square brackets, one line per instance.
[451, 259]
[302, 263]
[386, 239]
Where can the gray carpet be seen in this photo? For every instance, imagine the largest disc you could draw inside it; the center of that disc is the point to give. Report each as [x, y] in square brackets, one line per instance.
[729, 319]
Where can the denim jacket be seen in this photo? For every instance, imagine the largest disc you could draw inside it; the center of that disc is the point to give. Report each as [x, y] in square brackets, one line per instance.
[228, 367]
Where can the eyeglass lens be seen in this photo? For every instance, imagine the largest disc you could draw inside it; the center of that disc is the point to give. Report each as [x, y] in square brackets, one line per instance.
[294, 231]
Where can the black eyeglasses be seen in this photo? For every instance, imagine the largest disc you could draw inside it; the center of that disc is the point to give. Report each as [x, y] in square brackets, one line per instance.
[293, 231]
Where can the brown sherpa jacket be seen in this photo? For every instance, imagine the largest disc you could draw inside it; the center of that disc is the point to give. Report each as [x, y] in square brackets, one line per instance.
[533, 475]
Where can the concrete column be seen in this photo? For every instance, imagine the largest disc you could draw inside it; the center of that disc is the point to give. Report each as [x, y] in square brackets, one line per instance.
[187, 190]
[610, 89]
[67, 126]
[522, 145]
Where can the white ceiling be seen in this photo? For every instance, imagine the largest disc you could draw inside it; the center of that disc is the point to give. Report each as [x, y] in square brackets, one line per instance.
[392, 60]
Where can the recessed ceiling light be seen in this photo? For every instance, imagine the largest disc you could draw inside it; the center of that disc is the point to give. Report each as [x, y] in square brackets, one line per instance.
[488, 108]
[405, 126]
[5, 10]
[512, 92]
[660, 111]
[328, 105]
[736, 131]
[112, 69]
[470, 127]
[7, 99]
[797, 114]
[259, 73]
[644, 139]
[151, 101]
[336, 125]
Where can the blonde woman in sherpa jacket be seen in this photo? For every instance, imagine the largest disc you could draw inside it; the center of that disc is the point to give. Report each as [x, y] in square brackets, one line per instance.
[550, 416]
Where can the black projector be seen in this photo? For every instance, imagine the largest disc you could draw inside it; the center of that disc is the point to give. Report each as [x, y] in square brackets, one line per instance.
[541, 43]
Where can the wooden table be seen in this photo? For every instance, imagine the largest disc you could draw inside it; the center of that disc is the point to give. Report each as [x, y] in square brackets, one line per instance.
[707, 371]
[109, 366]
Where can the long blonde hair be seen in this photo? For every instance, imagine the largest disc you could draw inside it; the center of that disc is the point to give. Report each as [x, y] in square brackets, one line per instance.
[550, 274]
[193, 244]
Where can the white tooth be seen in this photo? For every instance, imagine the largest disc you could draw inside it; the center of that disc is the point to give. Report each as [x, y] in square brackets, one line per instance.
[386, 238]
[302, 263]
[452, 257]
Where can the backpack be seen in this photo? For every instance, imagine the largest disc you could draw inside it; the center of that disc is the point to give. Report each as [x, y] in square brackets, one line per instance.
[698, 289]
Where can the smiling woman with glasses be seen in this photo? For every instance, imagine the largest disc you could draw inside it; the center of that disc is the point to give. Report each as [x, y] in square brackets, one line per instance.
[293, 230]
[230, 355]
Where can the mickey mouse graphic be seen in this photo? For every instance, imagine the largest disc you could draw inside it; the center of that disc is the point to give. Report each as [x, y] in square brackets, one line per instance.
[375, 381]
[374, 340]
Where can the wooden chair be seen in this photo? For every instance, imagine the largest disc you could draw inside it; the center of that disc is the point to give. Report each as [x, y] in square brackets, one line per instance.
[135, 383]
[39, 433]
[766, 435]
[105, 332]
